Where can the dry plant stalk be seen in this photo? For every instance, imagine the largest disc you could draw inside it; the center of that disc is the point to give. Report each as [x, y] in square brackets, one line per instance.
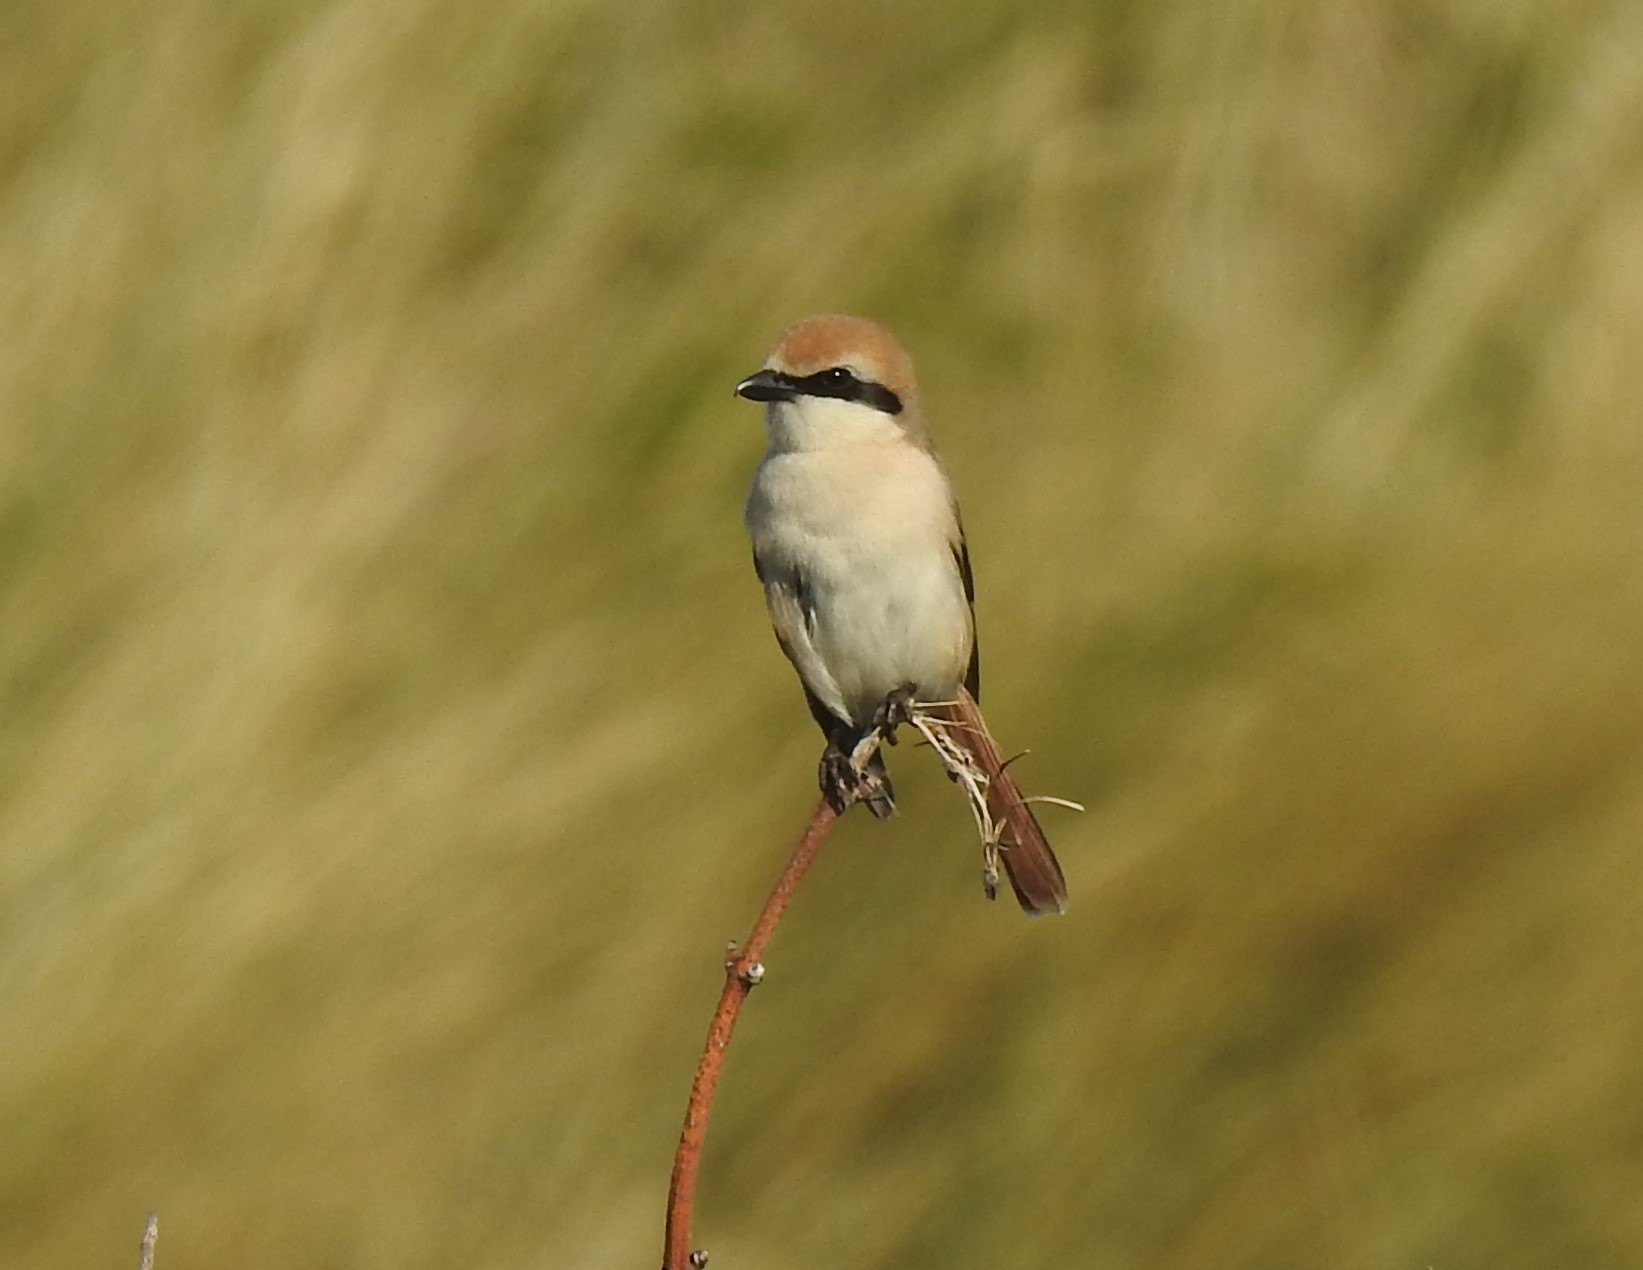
[743, 971]
[933, 724]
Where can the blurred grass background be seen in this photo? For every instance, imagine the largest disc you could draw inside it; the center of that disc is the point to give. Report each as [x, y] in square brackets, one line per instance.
[391, 734]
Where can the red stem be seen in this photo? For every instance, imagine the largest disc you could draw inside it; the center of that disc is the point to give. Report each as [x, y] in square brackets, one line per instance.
[742, 971]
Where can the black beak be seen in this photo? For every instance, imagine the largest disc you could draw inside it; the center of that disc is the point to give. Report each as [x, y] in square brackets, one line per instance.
[766, 385]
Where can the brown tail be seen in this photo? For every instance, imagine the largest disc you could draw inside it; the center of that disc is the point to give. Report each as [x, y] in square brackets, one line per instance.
[1031, 866]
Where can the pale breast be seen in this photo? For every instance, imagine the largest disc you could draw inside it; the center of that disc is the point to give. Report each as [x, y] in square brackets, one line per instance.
[871, 529]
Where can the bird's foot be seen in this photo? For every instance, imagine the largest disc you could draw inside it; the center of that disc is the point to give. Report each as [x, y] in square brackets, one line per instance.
[894, 711]
[838, 777]
[844, 783]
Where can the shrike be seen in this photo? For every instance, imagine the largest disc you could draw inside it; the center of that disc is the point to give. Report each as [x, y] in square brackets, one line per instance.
[857, 539]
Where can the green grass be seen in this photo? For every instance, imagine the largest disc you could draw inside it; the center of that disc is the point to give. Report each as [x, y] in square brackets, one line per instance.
[391, 735]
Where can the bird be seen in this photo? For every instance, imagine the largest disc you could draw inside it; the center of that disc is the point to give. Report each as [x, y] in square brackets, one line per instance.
[859, 545]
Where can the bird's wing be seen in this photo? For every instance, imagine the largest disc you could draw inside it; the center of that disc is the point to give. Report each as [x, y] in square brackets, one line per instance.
[793, 615]
[961, 558]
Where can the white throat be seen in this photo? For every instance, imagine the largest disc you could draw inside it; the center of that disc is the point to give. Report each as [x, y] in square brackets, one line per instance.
[827, 423]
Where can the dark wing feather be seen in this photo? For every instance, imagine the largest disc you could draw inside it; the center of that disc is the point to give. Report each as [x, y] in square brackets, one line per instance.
[961, 556]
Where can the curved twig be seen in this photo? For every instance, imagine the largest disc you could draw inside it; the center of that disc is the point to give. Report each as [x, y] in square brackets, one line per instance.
[743, 970]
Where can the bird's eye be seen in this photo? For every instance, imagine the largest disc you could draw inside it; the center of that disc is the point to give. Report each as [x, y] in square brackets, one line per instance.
[838, 377]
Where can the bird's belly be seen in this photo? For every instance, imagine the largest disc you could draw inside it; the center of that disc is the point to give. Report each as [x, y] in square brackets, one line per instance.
[891, 623]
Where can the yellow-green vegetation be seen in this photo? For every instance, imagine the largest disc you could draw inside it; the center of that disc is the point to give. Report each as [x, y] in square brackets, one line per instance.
[391, 735]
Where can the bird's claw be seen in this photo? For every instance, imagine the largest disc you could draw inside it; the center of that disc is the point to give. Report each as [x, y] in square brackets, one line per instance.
[843, 783]
[893, 712]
